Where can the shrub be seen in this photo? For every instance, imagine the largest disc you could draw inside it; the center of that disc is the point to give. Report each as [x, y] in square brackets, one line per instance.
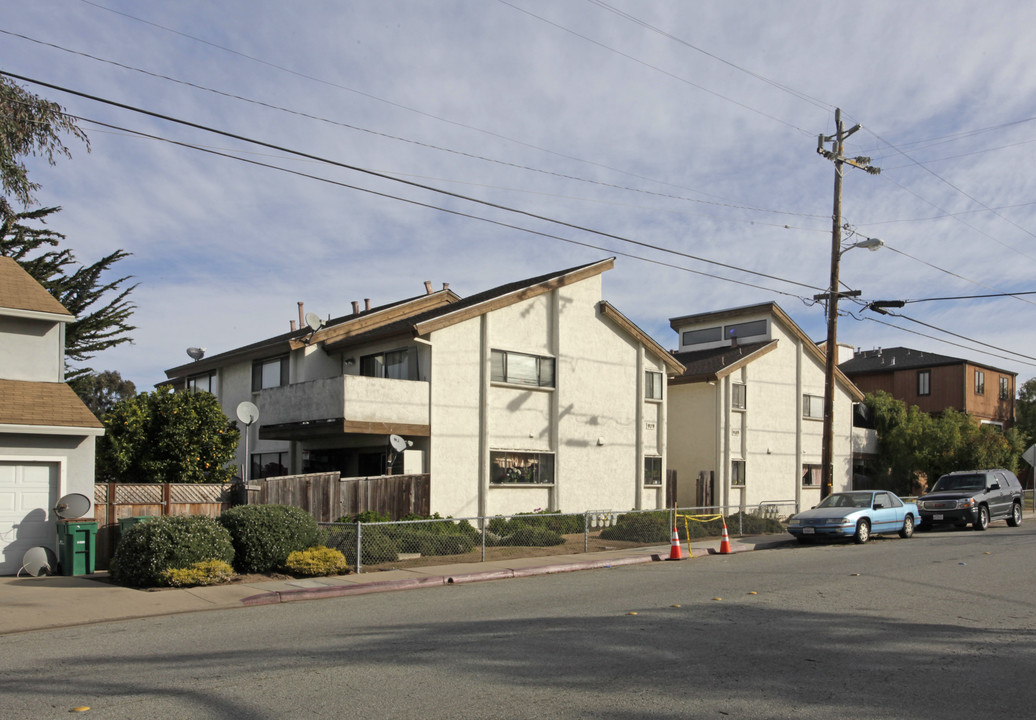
[367, 516]
[148, 549]
[264, 535]
[317, 561]
[207, 572]
[532, 537]
[648, 527]
[378, 545]
[442, 544]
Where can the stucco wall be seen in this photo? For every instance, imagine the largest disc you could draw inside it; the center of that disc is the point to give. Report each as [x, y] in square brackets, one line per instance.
[31, 349]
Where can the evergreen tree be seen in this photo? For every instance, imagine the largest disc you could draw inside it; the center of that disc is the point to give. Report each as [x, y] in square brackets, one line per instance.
[31, 125]
[100, 391]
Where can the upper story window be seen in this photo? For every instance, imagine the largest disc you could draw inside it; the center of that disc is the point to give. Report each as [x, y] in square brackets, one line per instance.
[813, 406]
[980, 382]
[394, 364]
[1004, 389]
[924, 382]
[738, 396]
[206, 382]
[737, 473]
[522, 369]
[269, 373]
[653, 385]
[752, 328]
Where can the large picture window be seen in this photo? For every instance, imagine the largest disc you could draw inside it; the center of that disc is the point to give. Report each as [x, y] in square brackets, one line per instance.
[394, 364]
[522, 369]
[269, 465]
[269, 373]
[524, 468]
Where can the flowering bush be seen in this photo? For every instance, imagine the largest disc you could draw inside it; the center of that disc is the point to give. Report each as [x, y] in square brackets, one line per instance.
[147, 550]
[317, 561]
[207, 572]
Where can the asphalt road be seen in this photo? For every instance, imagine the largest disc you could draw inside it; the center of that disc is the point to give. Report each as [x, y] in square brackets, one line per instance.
[941, 625]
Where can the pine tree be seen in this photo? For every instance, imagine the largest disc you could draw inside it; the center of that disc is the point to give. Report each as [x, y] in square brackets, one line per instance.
[31, 125]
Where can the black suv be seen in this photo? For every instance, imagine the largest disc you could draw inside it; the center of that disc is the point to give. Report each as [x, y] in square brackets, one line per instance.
[972, 496]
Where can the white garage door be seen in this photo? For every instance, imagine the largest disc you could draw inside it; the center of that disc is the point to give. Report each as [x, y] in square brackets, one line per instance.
[28, 491]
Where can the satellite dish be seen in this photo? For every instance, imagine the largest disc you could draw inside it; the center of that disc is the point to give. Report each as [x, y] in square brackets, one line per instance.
[247, 412]
[398, 444]
[38, 561]
[314, 322]
[196, 352]
[72, 506]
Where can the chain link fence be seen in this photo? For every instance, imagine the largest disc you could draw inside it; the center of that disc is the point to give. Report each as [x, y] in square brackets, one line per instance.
[408, 543]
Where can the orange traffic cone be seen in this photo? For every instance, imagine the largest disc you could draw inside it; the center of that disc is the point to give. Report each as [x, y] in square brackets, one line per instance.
[674, 549]
[724, 543]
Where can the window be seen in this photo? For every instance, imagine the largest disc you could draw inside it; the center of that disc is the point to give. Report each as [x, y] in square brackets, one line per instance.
[738, 396]
[697, 337]
[394, 365]
[522, 369]
[653, 385]
[924, 382]
[745, 329]
[980, 382]
[737, 473]
[208, 382]
[525, 468]
[269, 464]
[652, 471]
[1004, 390]
[811, 475]
[269, 373]
[813, 407]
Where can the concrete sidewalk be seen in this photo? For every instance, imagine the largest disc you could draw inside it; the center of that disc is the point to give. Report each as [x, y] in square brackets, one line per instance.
[29, 603]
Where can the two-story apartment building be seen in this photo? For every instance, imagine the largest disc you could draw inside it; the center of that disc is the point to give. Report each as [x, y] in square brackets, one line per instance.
[936, 382]
[535, 394]
[746, 416]
[46, 432]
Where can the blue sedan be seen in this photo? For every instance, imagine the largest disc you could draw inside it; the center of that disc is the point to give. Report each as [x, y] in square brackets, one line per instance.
[857, 514]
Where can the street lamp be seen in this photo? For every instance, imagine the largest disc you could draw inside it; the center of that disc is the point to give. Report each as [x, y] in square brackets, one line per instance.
[827, 441]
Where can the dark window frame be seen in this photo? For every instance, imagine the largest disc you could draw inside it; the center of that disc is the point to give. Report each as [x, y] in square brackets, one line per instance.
[257, 372]
[924, 383]
[501, 370]
[519, 467]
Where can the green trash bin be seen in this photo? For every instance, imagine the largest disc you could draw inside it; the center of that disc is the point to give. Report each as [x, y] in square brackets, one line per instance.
[77, 543]
[127, 522]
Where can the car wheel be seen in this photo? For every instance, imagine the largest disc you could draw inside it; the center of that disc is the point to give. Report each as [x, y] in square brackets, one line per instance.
[1016, 515]
[982, 521]
[863, 532]
[908, 527]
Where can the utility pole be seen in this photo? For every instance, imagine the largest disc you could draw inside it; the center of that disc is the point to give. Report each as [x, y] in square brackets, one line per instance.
[836, 156]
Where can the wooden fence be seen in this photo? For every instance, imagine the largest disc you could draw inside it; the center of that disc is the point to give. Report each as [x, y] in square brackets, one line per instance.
[327, 496]
[114, 501]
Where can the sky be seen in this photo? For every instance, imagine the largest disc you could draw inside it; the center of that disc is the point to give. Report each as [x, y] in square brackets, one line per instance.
[328, 152]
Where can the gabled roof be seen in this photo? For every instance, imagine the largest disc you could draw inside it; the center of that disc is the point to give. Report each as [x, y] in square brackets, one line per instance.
[693, 358]
[674, 366]
[886, 360]
[20, 292]
[476, 305]
[43, 404]
[714, 363]
[336, 328]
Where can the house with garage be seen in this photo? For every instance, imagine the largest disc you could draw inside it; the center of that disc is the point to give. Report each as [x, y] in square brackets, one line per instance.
[46, 432]
[535, 394]
[746, 415]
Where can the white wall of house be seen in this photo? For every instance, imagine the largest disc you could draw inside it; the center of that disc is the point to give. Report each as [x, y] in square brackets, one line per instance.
[594, 420]
[770, 435]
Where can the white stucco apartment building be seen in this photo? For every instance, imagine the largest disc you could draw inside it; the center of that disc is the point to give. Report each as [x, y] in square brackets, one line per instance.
[746, 415]
[536, 394]
[46, 432]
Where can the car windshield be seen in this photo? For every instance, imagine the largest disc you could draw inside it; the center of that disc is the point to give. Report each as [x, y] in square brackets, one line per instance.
[847, 500]
[960, 482]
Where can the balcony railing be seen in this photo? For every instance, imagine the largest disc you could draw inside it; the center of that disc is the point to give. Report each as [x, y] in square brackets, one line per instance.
[353, 398]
